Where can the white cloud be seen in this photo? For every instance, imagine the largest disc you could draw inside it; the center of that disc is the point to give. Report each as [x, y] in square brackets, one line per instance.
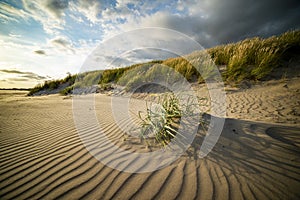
[62, 43]
[88, 8]
[11, 13]
[180, 5]
[56, 7]
[48, 13]
[14, 35]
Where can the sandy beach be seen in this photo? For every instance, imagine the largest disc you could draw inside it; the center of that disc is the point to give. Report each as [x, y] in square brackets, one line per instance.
[256, 157]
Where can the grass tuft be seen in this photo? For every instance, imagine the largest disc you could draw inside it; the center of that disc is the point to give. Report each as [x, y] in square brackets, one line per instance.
[162, 119]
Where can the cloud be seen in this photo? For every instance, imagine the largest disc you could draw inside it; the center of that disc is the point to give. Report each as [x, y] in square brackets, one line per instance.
[210, 22]
[56, 7]
[17, 79]
[40, 52]
[10, 13]
[90, 9]
[237, 19]
[34, 76]
[148, 54]
[48, 12]
[13, 71]
[27, 75]
[14, 35]
[62, 43]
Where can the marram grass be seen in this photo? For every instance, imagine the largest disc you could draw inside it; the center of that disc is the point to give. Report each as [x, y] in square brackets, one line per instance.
[162, 118]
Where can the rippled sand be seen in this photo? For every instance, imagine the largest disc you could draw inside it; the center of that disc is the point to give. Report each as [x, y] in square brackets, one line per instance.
[256, 157]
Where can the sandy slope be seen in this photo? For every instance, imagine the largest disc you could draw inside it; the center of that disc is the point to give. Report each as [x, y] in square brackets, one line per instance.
[42, 156]
[272, 101]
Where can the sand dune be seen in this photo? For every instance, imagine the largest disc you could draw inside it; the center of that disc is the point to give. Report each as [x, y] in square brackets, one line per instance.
[43, 157]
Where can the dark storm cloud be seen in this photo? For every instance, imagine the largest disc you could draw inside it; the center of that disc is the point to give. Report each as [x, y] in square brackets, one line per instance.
[24, 75]
[237, 19]
[222, 21]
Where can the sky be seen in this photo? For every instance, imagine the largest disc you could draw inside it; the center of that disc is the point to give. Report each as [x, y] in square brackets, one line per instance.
[45, 39]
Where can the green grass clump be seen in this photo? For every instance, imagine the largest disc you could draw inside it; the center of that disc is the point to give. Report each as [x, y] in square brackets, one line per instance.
[162, 118]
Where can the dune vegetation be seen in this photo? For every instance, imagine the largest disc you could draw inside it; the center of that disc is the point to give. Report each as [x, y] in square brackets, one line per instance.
[54, 84]
[255, 58]
[161, 120]
[251, 59]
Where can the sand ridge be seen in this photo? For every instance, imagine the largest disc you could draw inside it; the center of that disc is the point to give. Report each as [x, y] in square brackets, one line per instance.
[256, 157]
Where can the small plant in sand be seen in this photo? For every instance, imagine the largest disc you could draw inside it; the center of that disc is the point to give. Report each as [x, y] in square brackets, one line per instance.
[162, 119]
